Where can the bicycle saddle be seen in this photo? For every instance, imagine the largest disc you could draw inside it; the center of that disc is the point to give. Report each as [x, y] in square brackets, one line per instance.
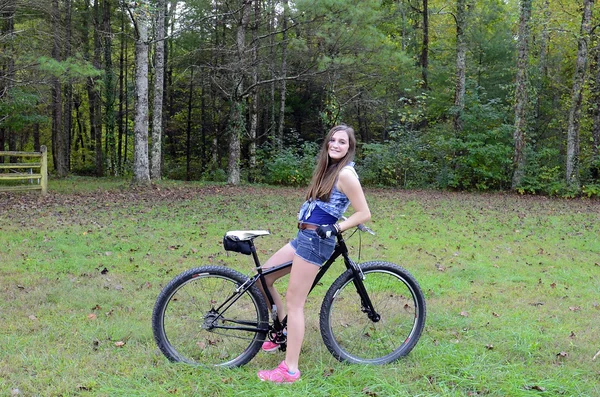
[243, 235]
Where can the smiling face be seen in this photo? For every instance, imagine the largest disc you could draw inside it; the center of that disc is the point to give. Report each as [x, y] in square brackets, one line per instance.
[338, 145]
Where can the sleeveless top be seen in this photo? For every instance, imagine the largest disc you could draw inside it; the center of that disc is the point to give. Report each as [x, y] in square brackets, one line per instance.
[336, 206]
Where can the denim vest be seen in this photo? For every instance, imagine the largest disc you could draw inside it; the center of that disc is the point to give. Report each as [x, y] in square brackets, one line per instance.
[336, 206]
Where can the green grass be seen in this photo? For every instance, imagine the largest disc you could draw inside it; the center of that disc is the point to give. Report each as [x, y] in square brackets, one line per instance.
[512, 286]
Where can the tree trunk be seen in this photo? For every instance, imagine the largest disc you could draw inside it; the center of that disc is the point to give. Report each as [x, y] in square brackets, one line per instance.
[68, 89]
[236, 124]
[188, 134]
[141, 170]
[283, 74]
[272, 126]
[543, 63]
[126, 129]
[254, 96]
[572, 166]
[236, 121]
[521, 98]
[120, 122]
[169, 96]
[462, 9]
[424, 59]
[7, 78]
[58, 133]
[595, 168]
[156, 158]
[97, 103]
[109, 90]
[92, 92]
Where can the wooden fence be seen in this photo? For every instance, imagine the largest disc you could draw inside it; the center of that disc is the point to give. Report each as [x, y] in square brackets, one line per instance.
[36, 179]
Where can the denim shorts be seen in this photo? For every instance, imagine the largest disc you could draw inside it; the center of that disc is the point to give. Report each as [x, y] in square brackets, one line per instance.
[313, 249]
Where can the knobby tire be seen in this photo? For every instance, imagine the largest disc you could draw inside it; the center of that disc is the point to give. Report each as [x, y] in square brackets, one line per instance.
[184, 315]
[348, 332]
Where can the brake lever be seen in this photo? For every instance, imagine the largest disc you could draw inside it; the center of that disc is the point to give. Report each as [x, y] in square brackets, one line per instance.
[367, 229]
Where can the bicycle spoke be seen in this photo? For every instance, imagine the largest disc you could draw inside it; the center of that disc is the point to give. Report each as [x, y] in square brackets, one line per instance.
[351, 335]
[189, 329]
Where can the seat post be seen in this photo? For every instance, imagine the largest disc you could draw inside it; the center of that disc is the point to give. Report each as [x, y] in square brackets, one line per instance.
[255, 255]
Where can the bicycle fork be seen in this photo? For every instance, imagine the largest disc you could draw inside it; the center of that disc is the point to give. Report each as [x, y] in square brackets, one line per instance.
[366, 304]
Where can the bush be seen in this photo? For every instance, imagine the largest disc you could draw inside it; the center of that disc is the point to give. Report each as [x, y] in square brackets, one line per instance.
[289, 167]
[592, 190]
[479, 160]
[543, 173]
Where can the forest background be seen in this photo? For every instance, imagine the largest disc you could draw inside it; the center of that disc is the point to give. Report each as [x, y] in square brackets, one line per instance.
[462, 94]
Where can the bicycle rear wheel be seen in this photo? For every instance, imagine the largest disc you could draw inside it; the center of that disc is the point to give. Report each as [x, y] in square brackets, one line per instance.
[348, 332]
[201, 318]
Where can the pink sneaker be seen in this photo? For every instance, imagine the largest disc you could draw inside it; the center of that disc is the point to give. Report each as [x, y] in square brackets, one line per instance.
[279, 374]
[269, 346]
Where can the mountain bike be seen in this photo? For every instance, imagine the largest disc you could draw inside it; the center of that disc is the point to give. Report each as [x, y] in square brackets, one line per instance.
[373, 313]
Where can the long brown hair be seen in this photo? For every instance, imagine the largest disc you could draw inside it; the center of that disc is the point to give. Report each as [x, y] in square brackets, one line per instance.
[327, 171]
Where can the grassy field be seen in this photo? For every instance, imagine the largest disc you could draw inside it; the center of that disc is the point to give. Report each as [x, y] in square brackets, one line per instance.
[512, 286]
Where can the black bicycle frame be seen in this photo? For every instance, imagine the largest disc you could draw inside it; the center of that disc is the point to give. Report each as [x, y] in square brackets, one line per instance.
[340, 250]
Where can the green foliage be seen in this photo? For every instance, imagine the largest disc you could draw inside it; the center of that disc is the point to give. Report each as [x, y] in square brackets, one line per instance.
[483, 161]
[288, 167]
[478, 158]
[402, 162]
[73, 68]
[543, 173]
[592, 190]
[19, 108]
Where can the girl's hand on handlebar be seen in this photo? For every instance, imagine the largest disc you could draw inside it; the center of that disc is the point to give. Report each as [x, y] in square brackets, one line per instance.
[326, 231]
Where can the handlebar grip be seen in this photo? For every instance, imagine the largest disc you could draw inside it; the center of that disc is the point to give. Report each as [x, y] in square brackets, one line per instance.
[364, 228]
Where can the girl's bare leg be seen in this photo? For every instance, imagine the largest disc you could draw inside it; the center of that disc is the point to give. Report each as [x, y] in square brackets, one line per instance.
[285, 254]
[301, 279]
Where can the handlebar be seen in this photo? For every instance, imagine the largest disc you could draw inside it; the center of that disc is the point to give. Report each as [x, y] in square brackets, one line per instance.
[364, 228]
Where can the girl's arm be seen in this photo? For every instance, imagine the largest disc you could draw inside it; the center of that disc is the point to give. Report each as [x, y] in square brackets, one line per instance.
[349, 184]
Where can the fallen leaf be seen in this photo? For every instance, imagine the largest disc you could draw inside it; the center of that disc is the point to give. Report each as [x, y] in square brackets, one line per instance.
[574, 308]
[33, 318]
[489, 346]
[495, 314]
[92, 316]
[328, 372]
[464, 314]
[369, 392]
[562, 355]
[535, 387]
[119, 344]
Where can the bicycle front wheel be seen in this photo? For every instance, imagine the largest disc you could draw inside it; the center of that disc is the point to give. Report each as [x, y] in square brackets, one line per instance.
[349, 333]
[202, 317]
